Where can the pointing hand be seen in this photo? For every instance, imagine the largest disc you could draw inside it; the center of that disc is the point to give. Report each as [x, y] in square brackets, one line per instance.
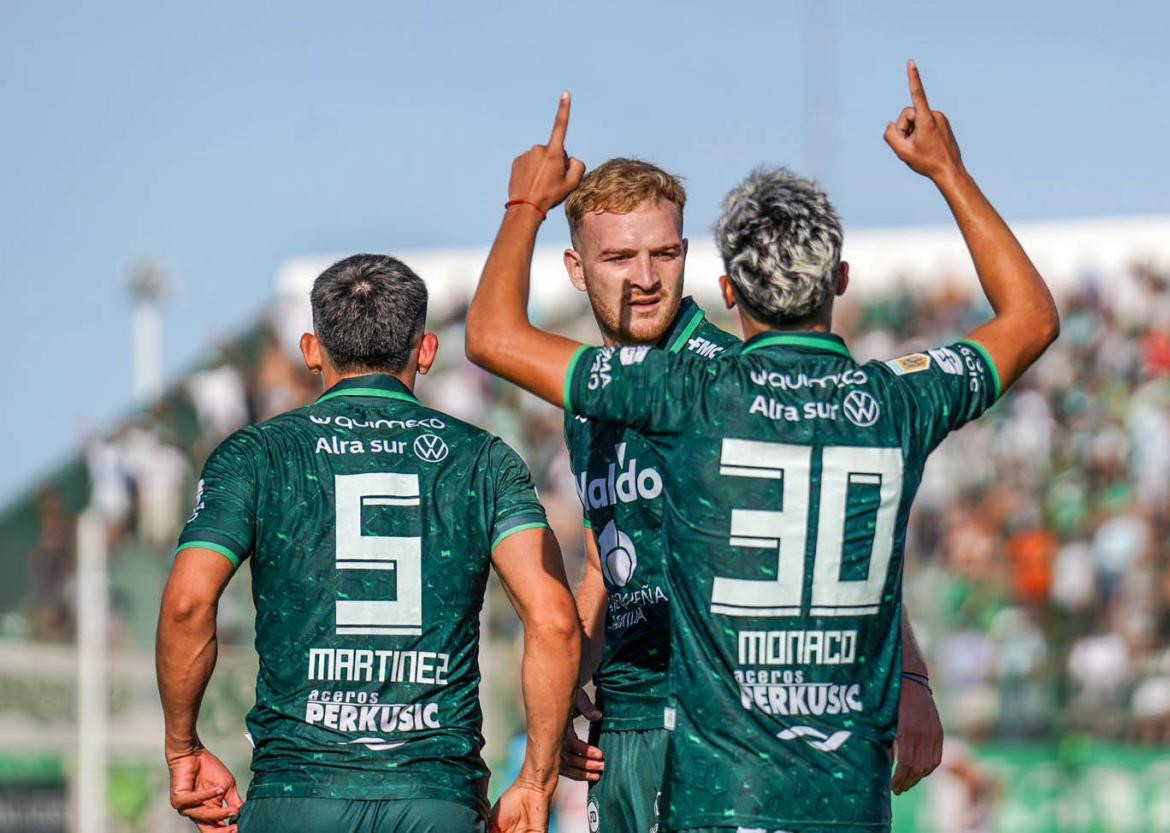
[922, 137]
[546, 174]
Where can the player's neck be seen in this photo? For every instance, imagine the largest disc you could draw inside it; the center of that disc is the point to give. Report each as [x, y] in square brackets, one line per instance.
[330, 377]
[819, 322]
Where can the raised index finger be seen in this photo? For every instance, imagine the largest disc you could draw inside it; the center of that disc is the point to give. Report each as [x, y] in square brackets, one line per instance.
[560, 123]
[917, 93]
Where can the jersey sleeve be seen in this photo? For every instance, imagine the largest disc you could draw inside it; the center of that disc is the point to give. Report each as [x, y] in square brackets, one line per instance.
[648, 389]
[224, 518]
[947, 387]
[515, 505]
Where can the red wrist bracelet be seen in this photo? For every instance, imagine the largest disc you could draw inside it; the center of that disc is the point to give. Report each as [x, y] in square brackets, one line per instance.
[510, 203]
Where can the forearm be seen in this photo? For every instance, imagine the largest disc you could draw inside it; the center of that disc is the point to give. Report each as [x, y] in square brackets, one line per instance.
[591, 611]
[500, 337]
[912, 659]
[1025, 313]
[549, 680]
[185, 654]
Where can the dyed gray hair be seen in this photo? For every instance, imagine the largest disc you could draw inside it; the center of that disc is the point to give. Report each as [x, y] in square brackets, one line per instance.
[780, 240]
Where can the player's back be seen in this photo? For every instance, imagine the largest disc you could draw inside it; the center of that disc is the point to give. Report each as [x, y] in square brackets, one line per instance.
[369, 520]
[790, 472]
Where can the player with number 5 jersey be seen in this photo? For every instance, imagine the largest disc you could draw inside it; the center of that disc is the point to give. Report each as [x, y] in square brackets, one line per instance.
[370, 522]
[790, 470]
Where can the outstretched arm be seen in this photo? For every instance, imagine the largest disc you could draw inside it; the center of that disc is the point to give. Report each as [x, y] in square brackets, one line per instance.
[500, 337]
[202, 788]
[1025, 321]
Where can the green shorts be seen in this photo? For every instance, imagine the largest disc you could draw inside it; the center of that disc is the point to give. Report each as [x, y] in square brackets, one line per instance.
[343, 815]
[625, 800]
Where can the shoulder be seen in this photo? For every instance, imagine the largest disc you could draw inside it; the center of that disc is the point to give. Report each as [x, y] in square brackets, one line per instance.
[246, 441]
[709, 341]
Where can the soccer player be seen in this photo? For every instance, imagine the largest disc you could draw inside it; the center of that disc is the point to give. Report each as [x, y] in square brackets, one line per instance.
[628, 255]
[370, 521]
[789, 471]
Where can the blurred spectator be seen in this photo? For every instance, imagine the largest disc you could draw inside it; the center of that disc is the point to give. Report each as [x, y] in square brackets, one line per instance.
[51, 569]
[1038, 562]
[221, 403]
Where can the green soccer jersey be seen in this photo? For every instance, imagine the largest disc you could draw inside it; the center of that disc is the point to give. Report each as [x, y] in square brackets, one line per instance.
[789, 470]
[369, 521]
[618, 478]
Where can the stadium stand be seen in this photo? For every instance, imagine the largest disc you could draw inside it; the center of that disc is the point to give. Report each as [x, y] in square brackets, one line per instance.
[1038, 563]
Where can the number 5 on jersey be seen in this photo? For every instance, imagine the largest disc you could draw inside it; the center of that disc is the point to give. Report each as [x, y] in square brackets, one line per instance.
[866, 480]
[355, 494]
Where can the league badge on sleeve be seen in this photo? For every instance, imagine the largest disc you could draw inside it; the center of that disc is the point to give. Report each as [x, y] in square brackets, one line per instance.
[910, 363]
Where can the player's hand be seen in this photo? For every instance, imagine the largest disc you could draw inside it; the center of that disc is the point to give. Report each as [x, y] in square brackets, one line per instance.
[523, 808]
[918, 748]
[203, 790]
[546, 174]
[579, 760]
[922, 137]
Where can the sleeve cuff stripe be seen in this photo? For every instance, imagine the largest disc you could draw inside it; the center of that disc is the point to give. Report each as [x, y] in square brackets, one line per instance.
[521, 528]
[569, 377]
[588, 524]
[990, 364]
[207, 545]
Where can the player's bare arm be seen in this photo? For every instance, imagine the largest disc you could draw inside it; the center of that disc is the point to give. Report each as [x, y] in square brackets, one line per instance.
[202, 788]
[920, 733]
[532, 573]
[500, 338]
[579, 760]
[1026, 320]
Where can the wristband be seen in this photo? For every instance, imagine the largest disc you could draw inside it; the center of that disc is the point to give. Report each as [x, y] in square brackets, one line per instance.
[510, 203]
[921, 679]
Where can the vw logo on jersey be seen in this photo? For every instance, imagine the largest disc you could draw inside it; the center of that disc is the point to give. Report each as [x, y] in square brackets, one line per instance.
[619, 559]
[430, 449]
[861, 409]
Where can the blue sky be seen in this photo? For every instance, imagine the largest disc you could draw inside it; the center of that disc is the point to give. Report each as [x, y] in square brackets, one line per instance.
[226, 138]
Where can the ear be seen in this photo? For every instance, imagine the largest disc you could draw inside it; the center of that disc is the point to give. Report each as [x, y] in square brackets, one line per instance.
[575, 266]
[314, 355]
[727, 290]
[843, 278]
[428, 348]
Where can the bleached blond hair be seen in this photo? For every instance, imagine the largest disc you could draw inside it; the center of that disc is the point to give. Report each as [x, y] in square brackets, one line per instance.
[780, 240]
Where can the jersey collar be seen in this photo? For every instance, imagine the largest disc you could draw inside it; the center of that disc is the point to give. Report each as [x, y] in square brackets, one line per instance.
[375, 384]
[804, 340]
[685, 323]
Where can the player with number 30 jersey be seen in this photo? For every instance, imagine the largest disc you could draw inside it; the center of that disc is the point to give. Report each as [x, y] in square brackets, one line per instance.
[789, 471]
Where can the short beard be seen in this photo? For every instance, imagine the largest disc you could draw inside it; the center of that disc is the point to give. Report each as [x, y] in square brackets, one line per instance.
[610, 324]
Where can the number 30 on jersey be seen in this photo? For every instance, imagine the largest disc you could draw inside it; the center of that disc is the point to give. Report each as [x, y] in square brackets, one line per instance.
[849, 474]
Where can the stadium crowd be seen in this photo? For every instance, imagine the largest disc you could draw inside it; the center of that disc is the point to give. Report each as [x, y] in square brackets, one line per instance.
[1039, 555]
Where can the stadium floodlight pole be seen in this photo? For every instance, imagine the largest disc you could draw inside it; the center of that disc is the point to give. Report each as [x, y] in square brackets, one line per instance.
[90, 810]
[148, 284]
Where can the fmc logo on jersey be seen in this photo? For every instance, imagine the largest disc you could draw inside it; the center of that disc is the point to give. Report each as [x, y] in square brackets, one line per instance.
[430, 448]
[861, 409]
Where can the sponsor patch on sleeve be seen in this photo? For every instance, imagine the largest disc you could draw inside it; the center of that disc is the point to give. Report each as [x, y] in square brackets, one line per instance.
[910, 363]
[948, 360]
